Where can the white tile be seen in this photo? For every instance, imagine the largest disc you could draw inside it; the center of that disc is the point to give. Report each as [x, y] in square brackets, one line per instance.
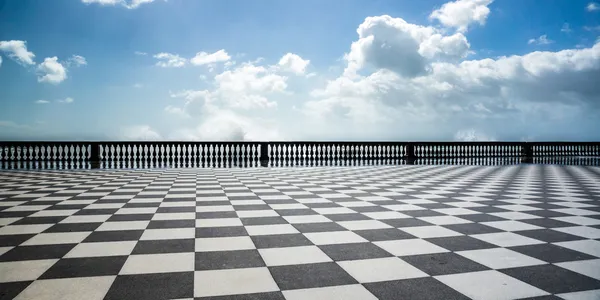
[459, 211]
[136, 211]
[55, 213]
[517, 207]
[288, 206]
[224, 244]
[27, 208]
[500, 258]
[6, 221]
[224, 222]
[589, 267]
[576, 211]
[363, 225]
[409, 247]
[582, 231]
[444, 220]
[515, 215]
[306, 219]
[403, 207]
[506, 239]
[24, 229]
[97, 205]
[178, 204]
[511, 225]
[89, 288]
[590, 247]
[86, 219]
[373, 198]
[174, 216]
[426, 232]
[233, 282]
[386, 215]
[214, 208]
[168, 234]
[247, 202]
[334, 237]
[293, 256]
[270, 229]
[102, 249]
[256, 213]
[380, 269]
[491, 285]
[24, 270]
[123, 225]
[334, 210]
[584, 221]
[56, 238]
[4, 250]
[585, 295]
[158, 263]
[346, 292]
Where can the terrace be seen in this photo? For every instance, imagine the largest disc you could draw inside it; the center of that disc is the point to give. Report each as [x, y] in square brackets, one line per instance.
[299, 220]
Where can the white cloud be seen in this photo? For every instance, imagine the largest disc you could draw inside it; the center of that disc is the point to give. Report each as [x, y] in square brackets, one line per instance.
[460, 14]
[204, 58]
[542, 40]
[168, 60]
[394, 44]
[130, 4]
[140, 53]
[293, 63]
[472, 135]
[51, 71]
[42, 102]
[17, 50]
[139, 132]
[566, 28]
[76, 61]
[592, 6]
[66, 100]
[0, 61]
[591, 28]
[176, 111]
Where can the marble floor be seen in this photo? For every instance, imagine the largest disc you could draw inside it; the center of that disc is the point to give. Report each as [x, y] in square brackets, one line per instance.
[379, 232]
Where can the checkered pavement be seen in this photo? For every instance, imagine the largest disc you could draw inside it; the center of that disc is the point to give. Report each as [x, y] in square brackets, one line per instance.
[385, 232]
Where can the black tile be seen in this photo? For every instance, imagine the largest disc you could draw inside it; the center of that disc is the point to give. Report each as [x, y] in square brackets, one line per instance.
[152, 286]
[547, 213]
[339, 252]
[436, 205]
[443, 263]
[548, 297]
[322, 205]
[386, 234]
[551, 253]
[205, 232]
[176, 209]
[39, 220]
[347, 217]
[414, 289]
[410, 222]
[368, 209]
[318, 227]
[10, 290]
[422, 213]
[263, 221]
[549, 235]
[472, 228]
[88, 212]
[73, 227]
[310, 276]
[130, 217]
[553, 279]
[256, 296]
[294, 212]
[141, 205]
[84, 267]
[217, 260]
[67, 207]
[461, 243]
[109, 236]
[14, 239]
[37, 252]
[547, 223]
[216, 214]
[15, 214]
[164, 246]
[171, 224]
[282, 240]
[489, 209]
[251, 207]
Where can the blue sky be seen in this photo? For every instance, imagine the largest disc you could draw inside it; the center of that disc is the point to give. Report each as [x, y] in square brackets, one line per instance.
[297, 70]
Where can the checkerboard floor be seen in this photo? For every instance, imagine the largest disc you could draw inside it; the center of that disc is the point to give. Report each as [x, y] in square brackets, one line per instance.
[386, 232]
